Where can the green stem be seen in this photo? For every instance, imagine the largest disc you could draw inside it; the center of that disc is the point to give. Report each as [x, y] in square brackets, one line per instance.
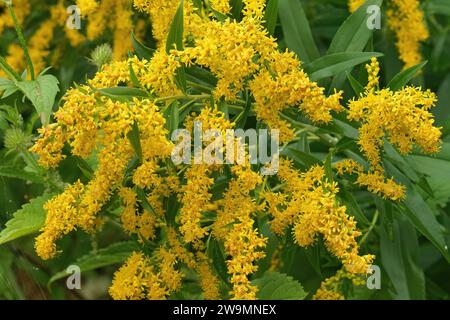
[22, 41]
[199, 86]
[191, 97]
[372, 225]
[30, 160]
[8, 70]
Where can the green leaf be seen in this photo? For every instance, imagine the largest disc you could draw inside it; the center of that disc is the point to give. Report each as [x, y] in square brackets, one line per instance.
[333, 64]
[296, 30]
[278, 286]
[114, 254]
[236, 8]
[353, 34]
[357, 87]
[353, 207]
[215, 252]
[175, 36]
[438, 7]
[142, 51]
[123, 94]
[241, 119]
[442, 110]
[8, 87]
[402, 78]
[420, 213]
[398, 256]
[271, 15]
[19, 173]
[9, 288]
[172, 114]
[300, 157]
[25, 221]
[42, 93]
[135, 140]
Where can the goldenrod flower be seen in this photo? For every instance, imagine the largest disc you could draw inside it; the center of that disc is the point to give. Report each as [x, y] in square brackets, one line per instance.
[406, 20]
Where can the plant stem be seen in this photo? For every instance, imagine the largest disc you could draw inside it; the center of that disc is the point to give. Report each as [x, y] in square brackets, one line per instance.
[372, 225]
[8, 70]
[192, 97]
[22, 41]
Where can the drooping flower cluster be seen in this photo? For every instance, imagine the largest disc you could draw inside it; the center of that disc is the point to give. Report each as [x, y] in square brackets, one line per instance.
[402, 117]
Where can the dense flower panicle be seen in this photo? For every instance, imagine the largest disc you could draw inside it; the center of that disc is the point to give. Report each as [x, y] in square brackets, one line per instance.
[62, 218]
[222, 6]
[123, 26]
[284, 84]
[254, 8]
[375, 181]
[406, 20]
[195, 198]
[137, 280]
[87, 6]
[228, 49]
[331, 288]
[313, 209]
[133, 222]
[373, 69]
[171, 277]
[50, 145]
[91, 123]
[244, 245]
[208, 280]
[161, 15]
[402, 115]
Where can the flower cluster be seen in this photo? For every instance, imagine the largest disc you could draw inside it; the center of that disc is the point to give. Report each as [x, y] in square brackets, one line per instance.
[174, 211]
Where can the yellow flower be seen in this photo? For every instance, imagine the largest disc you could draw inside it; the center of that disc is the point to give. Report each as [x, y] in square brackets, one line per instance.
[406, 20]
[137, 280]
[87, 6]
[330, 288]
[353, 5]
[313, 209]
[222, 6]
[62, 218]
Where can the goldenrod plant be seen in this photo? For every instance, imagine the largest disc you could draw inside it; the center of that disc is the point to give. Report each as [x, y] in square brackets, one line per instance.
[190, 149]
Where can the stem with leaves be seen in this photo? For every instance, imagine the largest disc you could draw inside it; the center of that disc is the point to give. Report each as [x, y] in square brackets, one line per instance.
[22, 41]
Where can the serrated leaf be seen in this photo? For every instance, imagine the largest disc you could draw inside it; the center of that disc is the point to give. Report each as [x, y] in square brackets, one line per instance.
[335, 63]
[278, 286]
[42, 93]
[19, 173]
[401, 79]
[114, 254]
[25, 221]
[296, 30]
